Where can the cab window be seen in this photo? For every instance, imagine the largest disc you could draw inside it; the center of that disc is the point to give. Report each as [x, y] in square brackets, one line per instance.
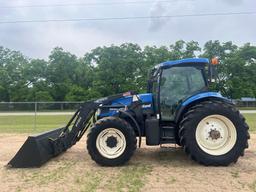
[177, 84]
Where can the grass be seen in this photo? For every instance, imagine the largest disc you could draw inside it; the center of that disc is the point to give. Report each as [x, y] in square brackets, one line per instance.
[88, 182]
[132, 177]
[81, 178]
[251, 121]
[253, 186]
[30, 124]
[234, 174]
[49, 176]
[127, 178]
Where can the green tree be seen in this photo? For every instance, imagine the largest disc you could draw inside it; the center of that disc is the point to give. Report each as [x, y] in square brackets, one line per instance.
[109, 70]
[61, 73]
[241, 72]
[13, 84]
[35, 73]
[116, 68]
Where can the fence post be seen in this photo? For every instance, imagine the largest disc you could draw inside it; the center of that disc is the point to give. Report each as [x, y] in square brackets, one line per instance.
[35, 116]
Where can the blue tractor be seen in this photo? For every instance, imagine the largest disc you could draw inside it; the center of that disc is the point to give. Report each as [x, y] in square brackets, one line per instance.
[178, 109]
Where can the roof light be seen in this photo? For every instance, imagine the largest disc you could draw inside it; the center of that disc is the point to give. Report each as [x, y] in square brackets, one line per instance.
[215, 61]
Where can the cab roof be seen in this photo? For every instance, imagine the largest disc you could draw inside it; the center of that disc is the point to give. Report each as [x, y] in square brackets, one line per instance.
[168, 64]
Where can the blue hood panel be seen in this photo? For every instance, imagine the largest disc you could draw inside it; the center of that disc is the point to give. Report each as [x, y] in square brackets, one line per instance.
[127, 100]
[146, 99]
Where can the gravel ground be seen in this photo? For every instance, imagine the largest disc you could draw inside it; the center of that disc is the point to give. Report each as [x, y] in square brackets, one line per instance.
[150, 169]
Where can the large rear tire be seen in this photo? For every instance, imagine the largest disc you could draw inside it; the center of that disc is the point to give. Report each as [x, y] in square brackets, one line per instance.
[111, 141]
[214, 133]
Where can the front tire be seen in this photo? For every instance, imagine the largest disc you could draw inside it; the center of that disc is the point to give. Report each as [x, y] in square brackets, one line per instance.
[214, 133]
[111, 141]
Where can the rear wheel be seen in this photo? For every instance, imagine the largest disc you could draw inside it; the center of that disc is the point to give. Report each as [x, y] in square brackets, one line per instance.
[214, 133]
[111, 141]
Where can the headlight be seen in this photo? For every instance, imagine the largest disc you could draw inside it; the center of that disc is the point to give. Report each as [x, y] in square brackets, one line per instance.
[97, 113]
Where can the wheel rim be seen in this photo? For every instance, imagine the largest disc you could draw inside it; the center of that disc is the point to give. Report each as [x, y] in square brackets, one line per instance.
[111, 143]
[216, 135]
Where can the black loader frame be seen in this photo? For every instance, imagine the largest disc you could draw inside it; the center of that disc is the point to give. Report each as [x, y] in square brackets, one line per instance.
[50, 144]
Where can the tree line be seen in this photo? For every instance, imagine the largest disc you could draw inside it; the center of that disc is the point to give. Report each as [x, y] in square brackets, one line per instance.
[114, 69]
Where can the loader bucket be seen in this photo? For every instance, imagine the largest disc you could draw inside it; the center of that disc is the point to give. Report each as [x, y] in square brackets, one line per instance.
[36, 150]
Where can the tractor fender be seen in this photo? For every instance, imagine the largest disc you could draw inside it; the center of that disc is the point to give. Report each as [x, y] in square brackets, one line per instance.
[129, 116]
[205, 96]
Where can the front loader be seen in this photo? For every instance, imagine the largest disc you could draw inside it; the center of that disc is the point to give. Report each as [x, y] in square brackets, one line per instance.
[178, 108]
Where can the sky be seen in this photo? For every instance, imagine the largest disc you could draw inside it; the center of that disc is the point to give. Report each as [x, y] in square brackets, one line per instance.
[36, 40]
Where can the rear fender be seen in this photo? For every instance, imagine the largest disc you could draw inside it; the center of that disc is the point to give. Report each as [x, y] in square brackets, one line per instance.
[206, 96]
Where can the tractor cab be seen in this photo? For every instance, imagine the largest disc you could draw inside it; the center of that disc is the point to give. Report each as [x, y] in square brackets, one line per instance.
[173, 82]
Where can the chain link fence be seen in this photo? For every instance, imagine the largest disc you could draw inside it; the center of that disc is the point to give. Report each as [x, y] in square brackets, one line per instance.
[245, 104]
[29, 117]
[38, 106]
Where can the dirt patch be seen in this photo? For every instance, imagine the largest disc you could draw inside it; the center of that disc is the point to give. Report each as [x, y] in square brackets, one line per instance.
[150, 169]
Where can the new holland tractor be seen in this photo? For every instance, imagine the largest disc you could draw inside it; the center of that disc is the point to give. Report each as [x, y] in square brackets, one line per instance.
[178, 108]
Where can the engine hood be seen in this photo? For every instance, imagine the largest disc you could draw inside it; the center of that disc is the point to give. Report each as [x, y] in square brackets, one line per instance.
[145, 98]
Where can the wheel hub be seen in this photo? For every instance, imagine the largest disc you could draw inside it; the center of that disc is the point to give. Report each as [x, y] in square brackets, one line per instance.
[111, 141]
[214, 134]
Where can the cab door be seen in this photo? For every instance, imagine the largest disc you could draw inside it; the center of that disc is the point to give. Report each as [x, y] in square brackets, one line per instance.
[176, 84]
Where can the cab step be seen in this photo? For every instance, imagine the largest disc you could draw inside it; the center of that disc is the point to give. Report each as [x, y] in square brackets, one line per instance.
[168, 134]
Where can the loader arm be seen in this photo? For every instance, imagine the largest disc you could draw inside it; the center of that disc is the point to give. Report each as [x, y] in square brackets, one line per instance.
[75, 128]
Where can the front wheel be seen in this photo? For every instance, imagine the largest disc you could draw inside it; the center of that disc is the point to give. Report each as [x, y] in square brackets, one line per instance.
[111, 141]
[214, 133]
